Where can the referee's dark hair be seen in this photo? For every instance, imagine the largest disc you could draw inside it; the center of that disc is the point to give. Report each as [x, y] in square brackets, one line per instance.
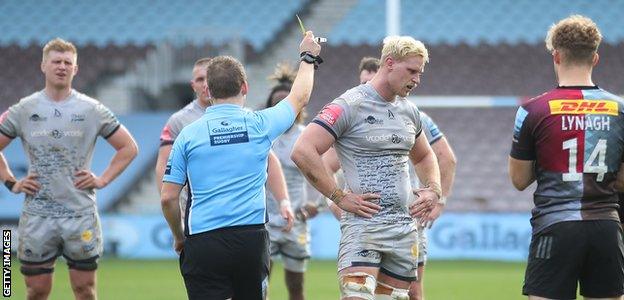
[227, 77]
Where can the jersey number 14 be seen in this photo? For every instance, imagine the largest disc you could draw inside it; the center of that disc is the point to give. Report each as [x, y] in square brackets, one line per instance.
[595, 163]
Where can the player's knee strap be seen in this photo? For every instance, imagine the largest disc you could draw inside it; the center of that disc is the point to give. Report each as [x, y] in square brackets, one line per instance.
[387, 292]
[83, 265]
[358, 284]
[33, 271]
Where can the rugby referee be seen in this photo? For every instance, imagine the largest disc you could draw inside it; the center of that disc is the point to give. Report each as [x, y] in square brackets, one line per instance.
[223, 158]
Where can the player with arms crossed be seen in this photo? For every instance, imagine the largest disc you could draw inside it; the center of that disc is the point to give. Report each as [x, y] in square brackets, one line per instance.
[193, 111]
[376, 132]
[571, 141]
[58, 127]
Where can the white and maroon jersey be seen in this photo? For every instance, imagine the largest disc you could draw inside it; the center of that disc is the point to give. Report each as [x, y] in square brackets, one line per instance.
[59, 138]
[179, 120]
[373, 140]
[187, 115]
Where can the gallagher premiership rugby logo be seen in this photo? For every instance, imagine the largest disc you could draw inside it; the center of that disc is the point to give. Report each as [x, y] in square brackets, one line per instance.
[226, 132]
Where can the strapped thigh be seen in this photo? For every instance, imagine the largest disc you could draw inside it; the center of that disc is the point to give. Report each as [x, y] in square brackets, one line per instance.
[357, 284]
[34, 271]
[387, 292]
[89, 264]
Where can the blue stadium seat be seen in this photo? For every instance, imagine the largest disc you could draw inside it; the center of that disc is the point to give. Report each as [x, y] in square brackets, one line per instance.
[475, 21]
[140, 22]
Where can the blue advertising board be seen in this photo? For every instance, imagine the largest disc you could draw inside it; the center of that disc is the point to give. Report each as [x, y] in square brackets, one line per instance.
[482, 236]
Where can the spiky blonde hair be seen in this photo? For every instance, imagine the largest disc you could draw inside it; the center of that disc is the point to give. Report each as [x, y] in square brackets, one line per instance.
[401, 47]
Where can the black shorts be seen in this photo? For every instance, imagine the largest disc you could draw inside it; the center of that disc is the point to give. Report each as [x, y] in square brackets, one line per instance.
[230, 262]
[589, 253]
[621, 208]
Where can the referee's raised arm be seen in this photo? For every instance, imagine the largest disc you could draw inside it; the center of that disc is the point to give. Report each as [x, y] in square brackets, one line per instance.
[302, 86]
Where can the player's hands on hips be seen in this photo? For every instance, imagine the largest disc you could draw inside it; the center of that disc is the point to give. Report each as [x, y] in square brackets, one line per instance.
[85, 179]
[424, 204]
[308, 44]
[287, 214]
[360, 205]
[28, 185]
[427, 220]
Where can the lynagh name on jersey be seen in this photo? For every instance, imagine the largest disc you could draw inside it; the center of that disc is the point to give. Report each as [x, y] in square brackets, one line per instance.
[576, 122]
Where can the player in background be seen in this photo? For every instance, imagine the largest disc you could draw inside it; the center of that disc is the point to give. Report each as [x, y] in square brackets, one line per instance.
[58, 127]
[193, 111]
[293, 246]
[368, 68]
[446, 160]
[376, 133]
[571, 141]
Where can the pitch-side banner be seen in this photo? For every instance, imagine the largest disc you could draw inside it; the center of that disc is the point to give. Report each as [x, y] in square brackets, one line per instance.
[480, 236]
[503, 236]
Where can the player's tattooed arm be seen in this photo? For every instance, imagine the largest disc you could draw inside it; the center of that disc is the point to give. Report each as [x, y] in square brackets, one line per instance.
[447, 162]
[428, 171]
[311, 177]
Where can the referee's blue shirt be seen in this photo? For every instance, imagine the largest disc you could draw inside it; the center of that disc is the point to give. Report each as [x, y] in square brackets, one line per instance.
[223, 157]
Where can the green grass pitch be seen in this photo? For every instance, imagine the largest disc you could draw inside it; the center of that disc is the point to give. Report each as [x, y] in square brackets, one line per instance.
[161, 279]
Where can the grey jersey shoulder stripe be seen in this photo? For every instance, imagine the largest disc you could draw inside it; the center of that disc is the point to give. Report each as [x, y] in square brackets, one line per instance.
[326, 128]
[113, 131]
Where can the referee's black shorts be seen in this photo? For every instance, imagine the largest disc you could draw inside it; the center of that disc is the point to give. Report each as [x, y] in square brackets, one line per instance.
[621, 208]
[231, 262]
[587, 253]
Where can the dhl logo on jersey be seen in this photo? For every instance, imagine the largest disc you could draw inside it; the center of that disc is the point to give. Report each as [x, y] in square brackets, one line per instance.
[581, 107]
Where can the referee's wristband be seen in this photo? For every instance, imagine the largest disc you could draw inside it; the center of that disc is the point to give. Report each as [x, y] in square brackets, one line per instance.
[10, 184]
[308, 57]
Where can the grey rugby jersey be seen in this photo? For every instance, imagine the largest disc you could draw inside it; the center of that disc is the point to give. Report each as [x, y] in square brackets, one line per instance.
[295, 181]
[59, 138]
[433, 134]
[373, 140]
[179, 120]
[187, 115]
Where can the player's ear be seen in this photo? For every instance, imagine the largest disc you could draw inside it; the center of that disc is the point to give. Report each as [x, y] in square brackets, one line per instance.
[595, 59]
[75, 69]
[207, 91]
[244, 88]
[556, 57]
[389, 62]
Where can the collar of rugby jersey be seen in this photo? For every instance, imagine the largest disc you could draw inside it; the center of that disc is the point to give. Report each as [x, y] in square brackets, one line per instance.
[71, 96]
[372, 92]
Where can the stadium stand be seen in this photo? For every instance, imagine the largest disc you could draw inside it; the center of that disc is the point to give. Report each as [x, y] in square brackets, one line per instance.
[22, 74]
[481, 138]
[475, 21]
[495, 70]
[143, 22]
